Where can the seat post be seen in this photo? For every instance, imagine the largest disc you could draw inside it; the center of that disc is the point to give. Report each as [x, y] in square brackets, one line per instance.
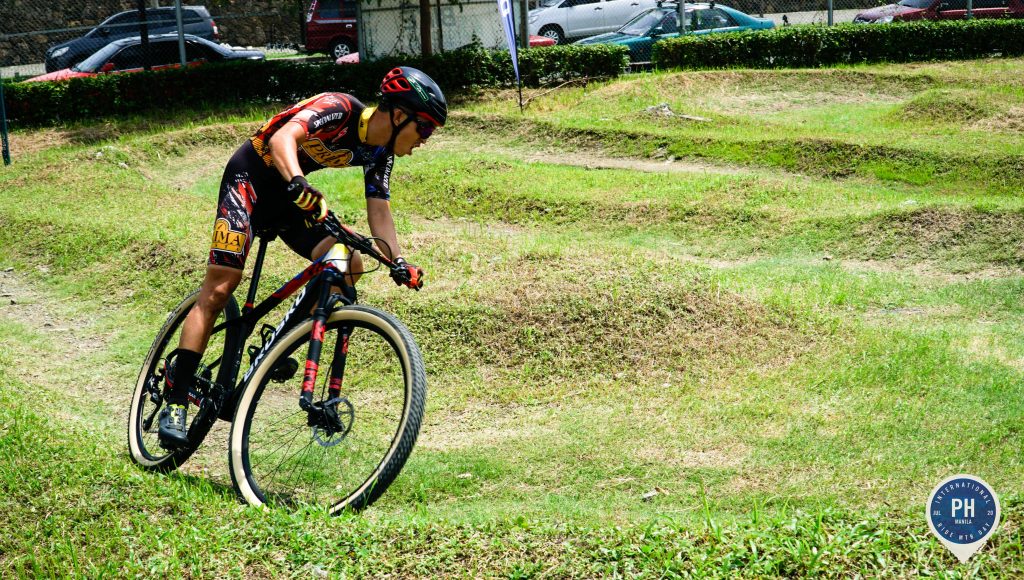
[257, 269]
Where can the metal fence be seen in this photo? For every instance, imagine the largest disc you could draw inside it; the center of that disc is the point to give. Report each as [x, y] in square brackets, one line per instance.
[38, 36]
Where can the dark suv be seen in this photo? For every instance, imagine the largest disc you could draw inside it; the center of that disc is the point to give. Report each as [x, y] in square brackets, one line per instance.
[331, 27]
[195, 19]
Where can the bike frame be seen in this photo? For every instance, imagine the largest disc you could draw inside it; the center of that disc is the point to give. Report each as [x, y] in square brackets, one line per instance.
[314, 285]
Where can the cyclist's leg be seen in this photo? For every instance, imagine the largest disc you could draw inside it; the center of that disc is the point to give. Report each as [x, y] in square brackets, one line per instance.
[217, 287]
[311, 240]
[232, 238]
[355, 265]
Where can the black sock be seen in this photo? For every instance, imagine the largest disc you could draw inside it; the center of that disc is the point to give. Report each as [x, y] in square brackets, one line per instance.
[185, 364]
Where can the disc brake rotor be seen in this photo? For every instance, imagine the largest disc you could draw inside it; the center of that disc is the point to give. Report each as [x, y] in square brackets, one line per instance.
[336, 433]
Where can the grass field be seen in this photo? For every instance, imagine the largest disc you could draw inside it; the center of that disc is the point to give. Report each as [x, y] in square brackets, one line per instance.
[790, 320]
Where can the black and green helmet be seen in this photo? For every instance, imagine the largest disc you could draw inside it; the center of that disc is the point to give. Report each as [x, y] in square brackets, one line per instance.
[412, 89]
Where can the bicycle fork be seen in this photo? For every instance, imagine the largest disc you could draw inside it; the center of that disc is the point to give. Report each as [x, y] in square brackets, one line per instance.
[316, 343]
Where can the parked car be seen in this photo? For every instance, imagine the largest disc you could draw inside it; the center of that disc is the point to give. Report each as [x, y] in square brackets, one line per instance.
[195, 19]
[331, 27]
[535, 41]
[650, 26]
[907, 10]
[126, 55]
[562, 20]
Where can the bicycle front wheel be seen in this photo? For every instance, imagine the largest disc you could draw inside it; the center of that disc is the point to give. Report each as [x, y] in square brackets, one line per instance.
[282, 454]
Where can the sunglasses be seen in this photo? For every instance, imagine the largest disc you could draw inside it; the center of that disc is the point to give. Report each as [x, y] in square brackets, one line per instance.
[424, 128]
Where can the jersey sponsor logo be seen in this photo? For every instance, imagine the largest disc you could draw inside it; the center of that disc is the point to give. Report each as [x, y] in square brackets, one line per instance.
[386, 182]
[321, 121]
[226, 239]
[323, 154]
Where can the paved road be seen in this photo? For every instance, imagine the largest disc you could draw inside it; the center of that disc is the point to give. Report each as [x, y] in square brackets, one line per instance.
[815, 17]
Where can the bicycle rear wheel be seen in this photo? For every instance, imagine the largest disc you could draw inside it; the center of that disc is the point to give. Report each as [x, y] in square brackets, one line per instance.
[148, 398]
[281, 454]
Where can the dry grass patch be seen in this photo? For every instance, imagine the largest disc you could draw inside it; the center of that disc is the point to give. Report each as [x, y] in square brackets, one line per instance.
[484, 425]
[1010, 121]
[987, 348]
[929, 270]
[761, 92]
[995, 236]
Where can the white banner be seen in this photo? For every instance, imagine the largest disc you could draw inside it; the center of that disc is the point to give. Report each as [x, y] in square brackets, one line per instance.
[505, 8]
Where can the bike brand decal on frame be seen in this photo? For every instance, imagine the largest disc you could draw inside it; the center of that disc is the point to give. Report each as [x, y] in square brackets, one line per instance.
[226, 239]
[277, 332]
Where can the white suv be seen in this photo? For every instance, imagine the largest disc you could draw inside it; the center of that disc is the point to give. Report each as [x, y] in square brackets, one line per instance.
[568, 19]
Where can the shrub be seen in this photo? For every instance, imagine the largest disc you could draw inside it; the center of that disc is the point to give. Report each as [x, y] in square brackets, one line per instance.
[288, 81]
[813, 46]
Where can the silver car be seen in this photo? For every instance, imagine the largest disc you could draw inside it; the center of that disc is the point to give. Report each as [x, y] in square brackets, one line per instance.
[562, 20]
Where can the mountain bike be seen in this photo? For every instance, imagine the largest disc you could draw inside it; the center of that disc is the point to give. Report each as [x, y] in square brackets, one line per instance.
[336, 434]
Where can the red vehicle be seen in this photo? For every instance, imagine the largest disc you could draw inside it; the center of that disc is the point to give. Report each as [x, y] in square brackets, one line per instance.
[907, 10]
[331, 27]
[126, 56]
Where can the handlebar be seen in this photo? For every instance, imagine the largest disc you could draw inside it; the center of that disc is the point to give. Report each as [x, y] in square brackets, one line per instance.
[354, 240]
[365, 245]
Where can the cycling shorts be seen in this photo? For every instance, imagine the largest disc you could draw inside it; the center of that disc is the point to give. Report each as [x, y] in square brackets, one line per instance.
[253, 200]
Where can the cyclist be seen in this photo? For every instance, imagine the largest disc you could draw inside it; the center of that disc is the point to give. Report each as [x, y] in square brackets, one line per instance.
[264, 189]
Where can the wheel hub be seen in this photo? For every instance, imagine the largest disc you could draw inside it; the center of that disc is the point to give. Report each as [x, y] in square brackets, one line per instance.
[331, 421]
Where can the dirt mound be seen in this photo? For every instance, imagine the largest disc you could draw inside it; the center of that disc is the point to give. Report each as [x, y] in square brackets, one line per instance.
[954, 106]
[986, 237]
[1010, 121]
[725, 92]
[37, 140]
[830, 158]
[591, 318]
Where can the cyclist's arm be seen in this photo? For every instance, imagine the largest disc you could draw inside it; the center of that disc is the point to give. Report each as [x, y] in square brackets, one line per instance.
[382, 225]
[284, 145]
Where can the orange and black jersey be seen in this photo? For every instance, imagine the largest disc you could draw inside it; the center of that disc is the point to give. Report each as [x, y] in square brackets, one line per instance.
[335, 137]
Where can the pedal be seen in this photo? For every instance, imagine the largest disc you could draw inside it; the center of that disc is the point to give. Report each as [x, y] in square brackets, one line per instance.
[284, 370]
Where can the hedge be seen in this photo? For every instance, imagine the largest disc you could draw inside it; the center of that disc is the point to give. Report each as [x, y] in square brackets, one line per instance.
[814, 46]
[458, 72]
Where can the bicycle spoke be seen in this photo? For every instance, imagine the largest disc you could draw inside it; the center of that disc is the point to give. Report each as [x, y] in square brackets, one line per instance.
[328, 463]
[277, 467]
[269, 429]
[295, 464]
[298, 431]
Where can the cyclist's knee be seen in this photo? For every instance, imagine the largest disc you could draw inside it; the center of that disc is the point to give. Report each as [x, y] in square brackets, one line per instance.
[220, 282]
[356, 268]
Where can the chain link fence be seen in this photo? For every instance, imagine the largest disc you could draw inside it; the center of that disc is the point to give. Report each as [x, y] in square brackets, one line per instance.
[41, 36]
[38, 36]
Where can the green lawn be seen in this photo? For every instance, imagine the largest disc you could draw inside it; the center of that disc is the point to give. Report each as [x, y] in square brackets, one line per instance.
[790, 320]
